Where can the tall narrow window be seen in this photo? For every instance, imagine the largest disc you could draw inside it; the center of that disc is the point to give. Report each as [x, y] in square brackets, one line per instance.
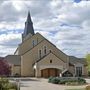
[78, 71]
[39, 53]
[50, 61]
[33, 43]
[37, 40]
[45, 50]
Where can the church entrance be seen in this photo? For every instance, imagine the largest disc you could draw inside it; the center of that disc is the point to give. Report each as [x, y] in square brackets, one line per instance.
[49, 72]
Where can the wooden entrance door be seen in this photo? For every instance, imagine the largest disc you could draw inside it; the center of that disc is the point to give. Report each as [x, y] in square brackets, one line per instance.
[44, 73]
[49, 72]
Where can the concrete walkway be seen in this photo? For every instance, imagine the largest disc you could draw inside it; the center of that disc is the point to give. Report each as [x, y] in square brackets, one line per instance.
[42, 84]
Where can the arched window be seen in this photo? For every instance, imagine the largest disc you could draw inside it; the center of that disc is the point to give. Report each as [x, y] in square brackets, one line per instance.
[50, 61]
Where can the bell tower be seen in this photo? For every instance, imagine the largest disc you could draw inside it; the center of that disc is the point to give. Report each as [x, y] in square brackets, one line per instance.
[28, 27]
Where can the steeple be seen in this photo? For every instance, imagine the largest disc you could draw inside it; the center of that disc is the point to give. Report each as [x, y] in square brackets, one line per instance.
[29, 17]
[28, 26]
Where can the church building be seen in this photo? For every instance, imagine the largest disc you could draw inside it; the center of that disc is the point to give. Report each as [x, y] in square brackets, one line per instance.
[38, 57]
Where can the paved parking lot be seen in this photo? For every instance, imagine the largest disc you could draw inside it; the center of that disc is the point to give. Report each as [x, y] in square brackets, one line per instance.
[42, 84]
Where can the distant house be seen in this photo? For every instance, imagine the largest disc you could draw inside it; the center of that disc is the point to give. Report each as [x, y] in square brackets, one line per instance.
[37, 56]
[15, 63]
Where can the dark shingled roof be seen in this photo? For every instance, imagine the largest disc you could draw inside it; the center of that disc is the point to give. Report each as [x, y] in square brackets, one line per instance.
[74, 60]
[28, 26]
[13, 59]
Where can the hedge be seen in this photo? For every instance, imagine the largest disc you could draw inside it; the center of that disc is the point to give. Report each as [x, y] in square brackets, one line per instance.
[66, 80]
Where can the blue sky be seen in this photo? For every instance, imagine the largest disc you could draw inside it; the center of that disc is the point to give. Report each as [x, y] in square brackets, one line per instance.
[66, 23]
[77, 1]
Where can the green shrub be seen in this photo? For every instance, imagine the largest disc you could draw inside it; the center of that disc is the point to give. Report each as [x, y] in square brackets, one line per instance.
[6, 85]
[50, 79]
[88, 73]
[54, 80]
[71, 83]
[66, 80]
[62, 81]
[81, 80]
[12, 86]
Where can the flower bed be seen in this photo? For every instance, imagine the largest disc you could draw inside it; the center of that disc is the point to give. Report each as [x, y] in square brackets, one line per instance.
[67, 81]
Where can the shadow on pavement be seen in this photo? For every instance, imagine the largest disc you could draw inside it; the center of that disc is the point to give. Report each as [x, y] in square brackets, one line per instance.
[29, 80]
[22, 85]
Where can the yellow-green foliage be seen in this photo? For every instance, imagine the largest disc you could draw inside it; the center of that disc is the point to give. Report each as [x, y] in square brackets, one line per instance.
[6, 85]
[88, 61]
[88, 87]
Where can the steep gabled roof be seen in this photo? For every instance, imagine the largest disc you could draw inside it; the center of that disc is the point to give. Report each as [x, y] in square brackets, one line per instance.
[48, 55]
[74, 60]
[63, 55]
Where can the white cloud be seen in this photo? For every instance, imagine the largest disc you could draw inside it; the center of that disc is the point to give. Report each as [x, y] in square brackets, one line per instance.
[8, 43]
[64, 22]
